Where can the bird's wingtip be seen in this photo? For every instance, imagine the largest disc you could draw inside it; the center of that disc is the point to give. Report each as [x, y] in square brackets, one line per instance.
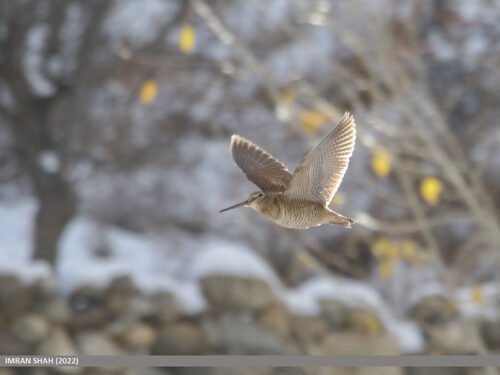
[348, 116]
[235, 138]
[348, 120]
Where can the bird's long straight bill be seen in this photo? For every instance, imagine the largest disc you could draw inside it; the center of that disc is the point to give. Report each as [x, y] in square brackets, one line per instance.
[234, 206]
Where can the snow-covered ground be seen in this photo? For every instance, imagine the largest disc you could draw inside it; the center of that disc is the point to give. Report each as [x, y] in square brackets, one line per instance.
[16, 229]
[154, 267]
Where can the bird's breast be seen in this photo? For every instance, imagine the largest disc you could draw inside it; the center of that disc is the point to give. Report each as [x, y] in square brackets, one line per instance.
[294, 213]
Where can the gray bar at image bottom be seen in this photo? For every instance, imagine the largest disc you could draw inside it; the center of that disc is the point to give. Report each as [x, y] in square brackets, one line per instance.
[251, 361]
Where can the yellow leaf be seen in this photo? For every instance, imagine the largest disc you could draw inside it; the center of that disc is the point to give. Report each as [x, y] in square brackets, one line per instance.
[383, 247]
[477, 294]
[431, 189]
[381, 162]
[312, 120]
[187, 38]
[149, 91]
[386, 269]
[408, 250]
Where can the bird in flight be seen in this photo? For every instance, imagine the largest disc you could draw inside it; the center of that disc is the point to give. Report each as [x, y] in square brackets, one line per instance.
[301, 199]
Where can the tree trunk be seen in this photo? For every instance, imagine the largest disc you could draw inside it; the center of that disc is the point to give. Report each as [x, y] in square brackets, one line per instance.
[41, 123]
[57, 206]
[55, 196]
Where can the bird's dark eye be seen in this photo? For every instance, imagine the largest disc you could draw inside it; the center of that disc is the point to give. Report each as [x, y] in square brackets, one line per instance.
[260, 195]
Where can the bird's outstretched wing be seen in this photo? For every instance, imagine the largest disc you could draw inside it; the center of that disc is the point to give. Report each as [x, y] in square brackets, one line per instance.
[268, 173]
[320, 173]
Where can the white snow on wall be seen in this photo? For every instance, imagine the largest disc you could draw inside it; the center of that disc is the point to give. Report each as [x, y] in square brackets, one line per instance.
[314, 290]
[306, 299]
[76, 265]
[187, 292]
[131, 254]
[227, 258]
[486, 308]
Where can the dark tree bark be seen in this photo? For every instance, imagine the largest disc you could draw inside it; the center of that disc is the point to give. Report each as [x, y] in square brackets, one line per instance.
[41, 122]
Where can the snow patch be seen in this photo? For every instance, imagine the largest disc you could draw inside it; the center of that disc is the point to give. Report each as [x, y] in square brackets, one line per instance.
[305, 300]
[16, 228]
[486, 308]
[348, 292]
[15, 245]
[226, 258]
[131, 254]
[76, 265]
[27, 272]
[409, 336]
[188, 293]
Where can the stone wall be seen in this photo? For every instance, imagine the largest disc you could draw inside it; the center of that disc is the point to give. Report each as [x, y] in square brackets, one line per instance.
[242, 317]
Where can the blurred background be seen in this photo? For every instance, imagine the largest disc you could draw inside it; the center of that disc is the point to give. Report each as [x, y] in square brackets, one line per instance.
[115, 122]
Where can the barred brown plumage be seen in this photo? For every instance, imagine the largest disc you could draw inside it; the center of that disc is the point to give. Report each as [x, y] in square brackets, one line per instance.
[301, 199]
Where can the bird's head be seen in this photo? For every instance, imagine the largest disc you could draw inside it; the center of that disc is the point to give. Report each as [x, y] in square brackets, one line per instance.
[252, 201]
